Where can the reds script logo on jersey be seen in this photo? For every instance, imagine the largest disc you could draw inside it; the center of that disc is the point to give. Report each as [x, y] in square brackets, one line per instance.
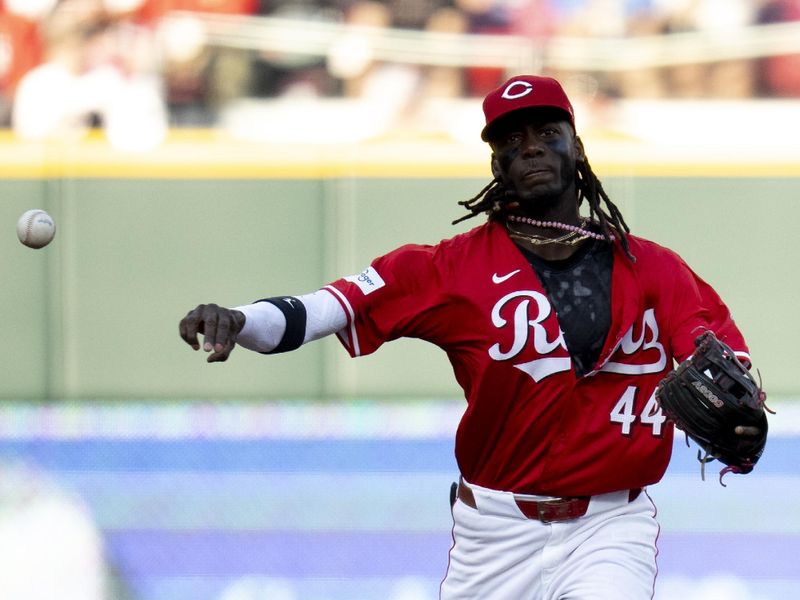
[531, 309]
[647, 342]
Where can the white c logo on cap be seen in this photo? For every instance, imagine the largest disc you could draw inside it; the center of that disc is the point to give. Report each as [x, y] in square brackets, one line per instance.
[527, 88]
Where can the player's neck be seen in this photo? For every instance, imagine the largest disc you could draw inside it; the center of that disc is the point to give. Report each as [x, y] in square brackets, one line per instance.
[551, 251]
[553, 234]
[564, 213]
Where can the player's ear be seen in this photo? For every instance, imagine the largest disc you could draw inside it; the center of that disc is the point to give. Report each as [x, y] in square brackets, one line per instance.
[580, 153]
[496, 171]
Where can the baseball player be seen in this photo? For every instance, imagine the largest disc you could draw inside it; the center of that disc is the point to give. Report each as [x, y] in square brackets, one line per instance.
[559, 328]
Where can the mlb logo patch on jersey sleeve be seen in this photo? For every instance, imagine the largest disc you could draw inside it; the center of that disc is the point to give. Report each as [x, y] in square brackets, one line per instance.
[368, 280]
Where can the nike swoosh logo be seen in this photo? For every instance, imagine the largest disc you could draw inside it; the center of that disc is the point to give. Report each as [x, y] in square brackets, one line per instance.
[501, 278]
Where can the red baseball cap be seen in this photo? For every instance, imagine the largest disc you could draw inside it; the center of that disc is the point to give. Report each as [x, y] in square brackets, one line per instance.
[524, 91]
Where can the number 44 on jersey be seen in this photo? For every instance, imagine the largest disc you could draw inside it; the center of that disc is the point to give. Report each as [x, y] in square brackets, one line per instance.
[623, 412]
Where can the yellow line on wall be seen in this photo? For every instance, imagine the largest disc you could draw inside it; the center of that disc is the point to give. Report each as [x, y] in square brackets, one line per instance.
[206, 154]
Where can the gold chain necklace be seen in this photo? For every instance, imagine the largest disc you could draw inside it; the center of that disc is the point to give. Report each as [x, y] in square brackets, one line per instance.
[571, 238]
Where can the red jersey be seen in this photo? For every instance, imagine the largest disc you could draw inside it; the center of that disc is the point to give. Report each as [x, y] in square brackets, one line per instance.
[531, 425]
[20, 50]
[152, 10]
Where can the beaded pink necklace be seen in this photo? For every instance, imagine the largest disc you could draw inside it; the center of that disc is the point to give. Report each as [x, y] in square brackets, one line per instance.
[557, 225]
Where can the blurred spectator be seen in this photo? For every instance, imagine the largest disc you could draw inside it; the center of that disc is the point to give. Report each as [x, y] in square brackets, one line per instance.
[487, 17]
[293, 74]
[595, 18]
[444, 81]
[198, 78]
[99, 70]
[20, 51]
[714, 18]
[351, 56]
[414, 14]
[780, 75]
[615, 19]
[644, 19]
[535, 19]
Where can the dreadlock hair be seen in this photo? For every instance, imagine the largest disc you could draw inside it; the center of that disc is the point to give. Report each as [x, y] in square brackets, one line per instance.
[496, 201]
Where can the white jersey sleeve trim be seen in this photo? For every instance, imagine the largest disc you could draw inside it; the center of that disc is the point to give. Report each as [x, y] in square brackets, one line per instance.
[347, 335]
[744, 358]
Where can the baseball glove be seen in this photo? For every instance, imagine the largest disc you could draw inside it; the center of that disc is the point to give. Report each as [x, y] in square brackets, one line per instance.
[707, 397]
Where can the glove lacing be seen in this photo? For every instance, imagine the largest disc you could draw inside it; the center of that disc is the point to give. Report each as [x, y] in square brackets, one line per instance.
[704, 456]
[762, 395]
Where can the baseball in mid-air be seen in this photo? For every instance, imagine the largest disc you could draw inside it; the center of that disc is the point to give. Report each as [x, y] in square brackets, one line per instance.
[36, 228]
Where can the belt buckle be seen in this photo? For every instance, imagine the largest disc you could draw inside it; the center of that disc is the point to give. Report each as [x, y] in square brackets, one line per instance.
[561, 509]
[540, 509]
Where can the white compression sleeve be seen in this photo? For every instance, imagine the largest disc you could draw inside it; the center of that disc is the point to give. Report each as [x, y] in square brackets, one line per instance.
[265, 324]
[263, 327]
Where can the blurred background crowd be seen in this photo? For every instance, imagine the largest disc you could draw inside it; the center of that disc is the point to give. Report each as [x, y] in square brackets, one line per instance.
[148, 65]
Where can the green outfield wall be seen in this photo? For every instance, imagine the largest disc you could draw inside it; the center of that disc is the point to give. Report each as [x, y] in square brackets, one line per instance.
[140, 242]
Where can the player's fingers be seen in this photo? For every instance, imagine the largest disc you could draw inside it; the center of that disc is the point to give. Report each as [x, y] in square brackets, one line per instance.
[210, 321]
[189, 327]
[224, 331]
[222, 354]
[747, 430]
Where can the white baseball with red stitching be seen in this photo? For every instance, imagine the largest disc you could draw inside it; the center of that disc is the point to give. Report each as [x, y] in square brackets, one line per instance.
[36, 228]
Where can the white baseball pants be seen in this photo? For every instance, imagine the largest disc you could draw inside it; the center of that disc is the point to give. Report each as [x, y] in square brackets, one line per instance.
[499, 554]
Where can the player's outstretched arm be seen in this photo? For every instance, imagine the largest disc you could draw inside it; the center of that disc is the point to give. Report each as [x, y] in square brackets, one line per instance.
[219, 326]
[269, 326]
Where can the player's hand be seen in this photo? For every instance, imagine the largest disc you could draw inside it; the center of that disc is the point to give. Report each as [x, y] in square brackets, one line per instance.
[219, 326]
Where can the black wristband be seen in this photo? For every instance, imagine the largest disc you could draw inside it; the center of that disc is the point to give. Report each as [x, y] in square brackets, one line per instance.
[295, 313]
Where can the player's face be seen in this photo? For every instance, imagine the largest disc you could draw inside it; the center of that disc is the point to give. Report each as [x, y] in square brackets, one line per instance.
[534, 153]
